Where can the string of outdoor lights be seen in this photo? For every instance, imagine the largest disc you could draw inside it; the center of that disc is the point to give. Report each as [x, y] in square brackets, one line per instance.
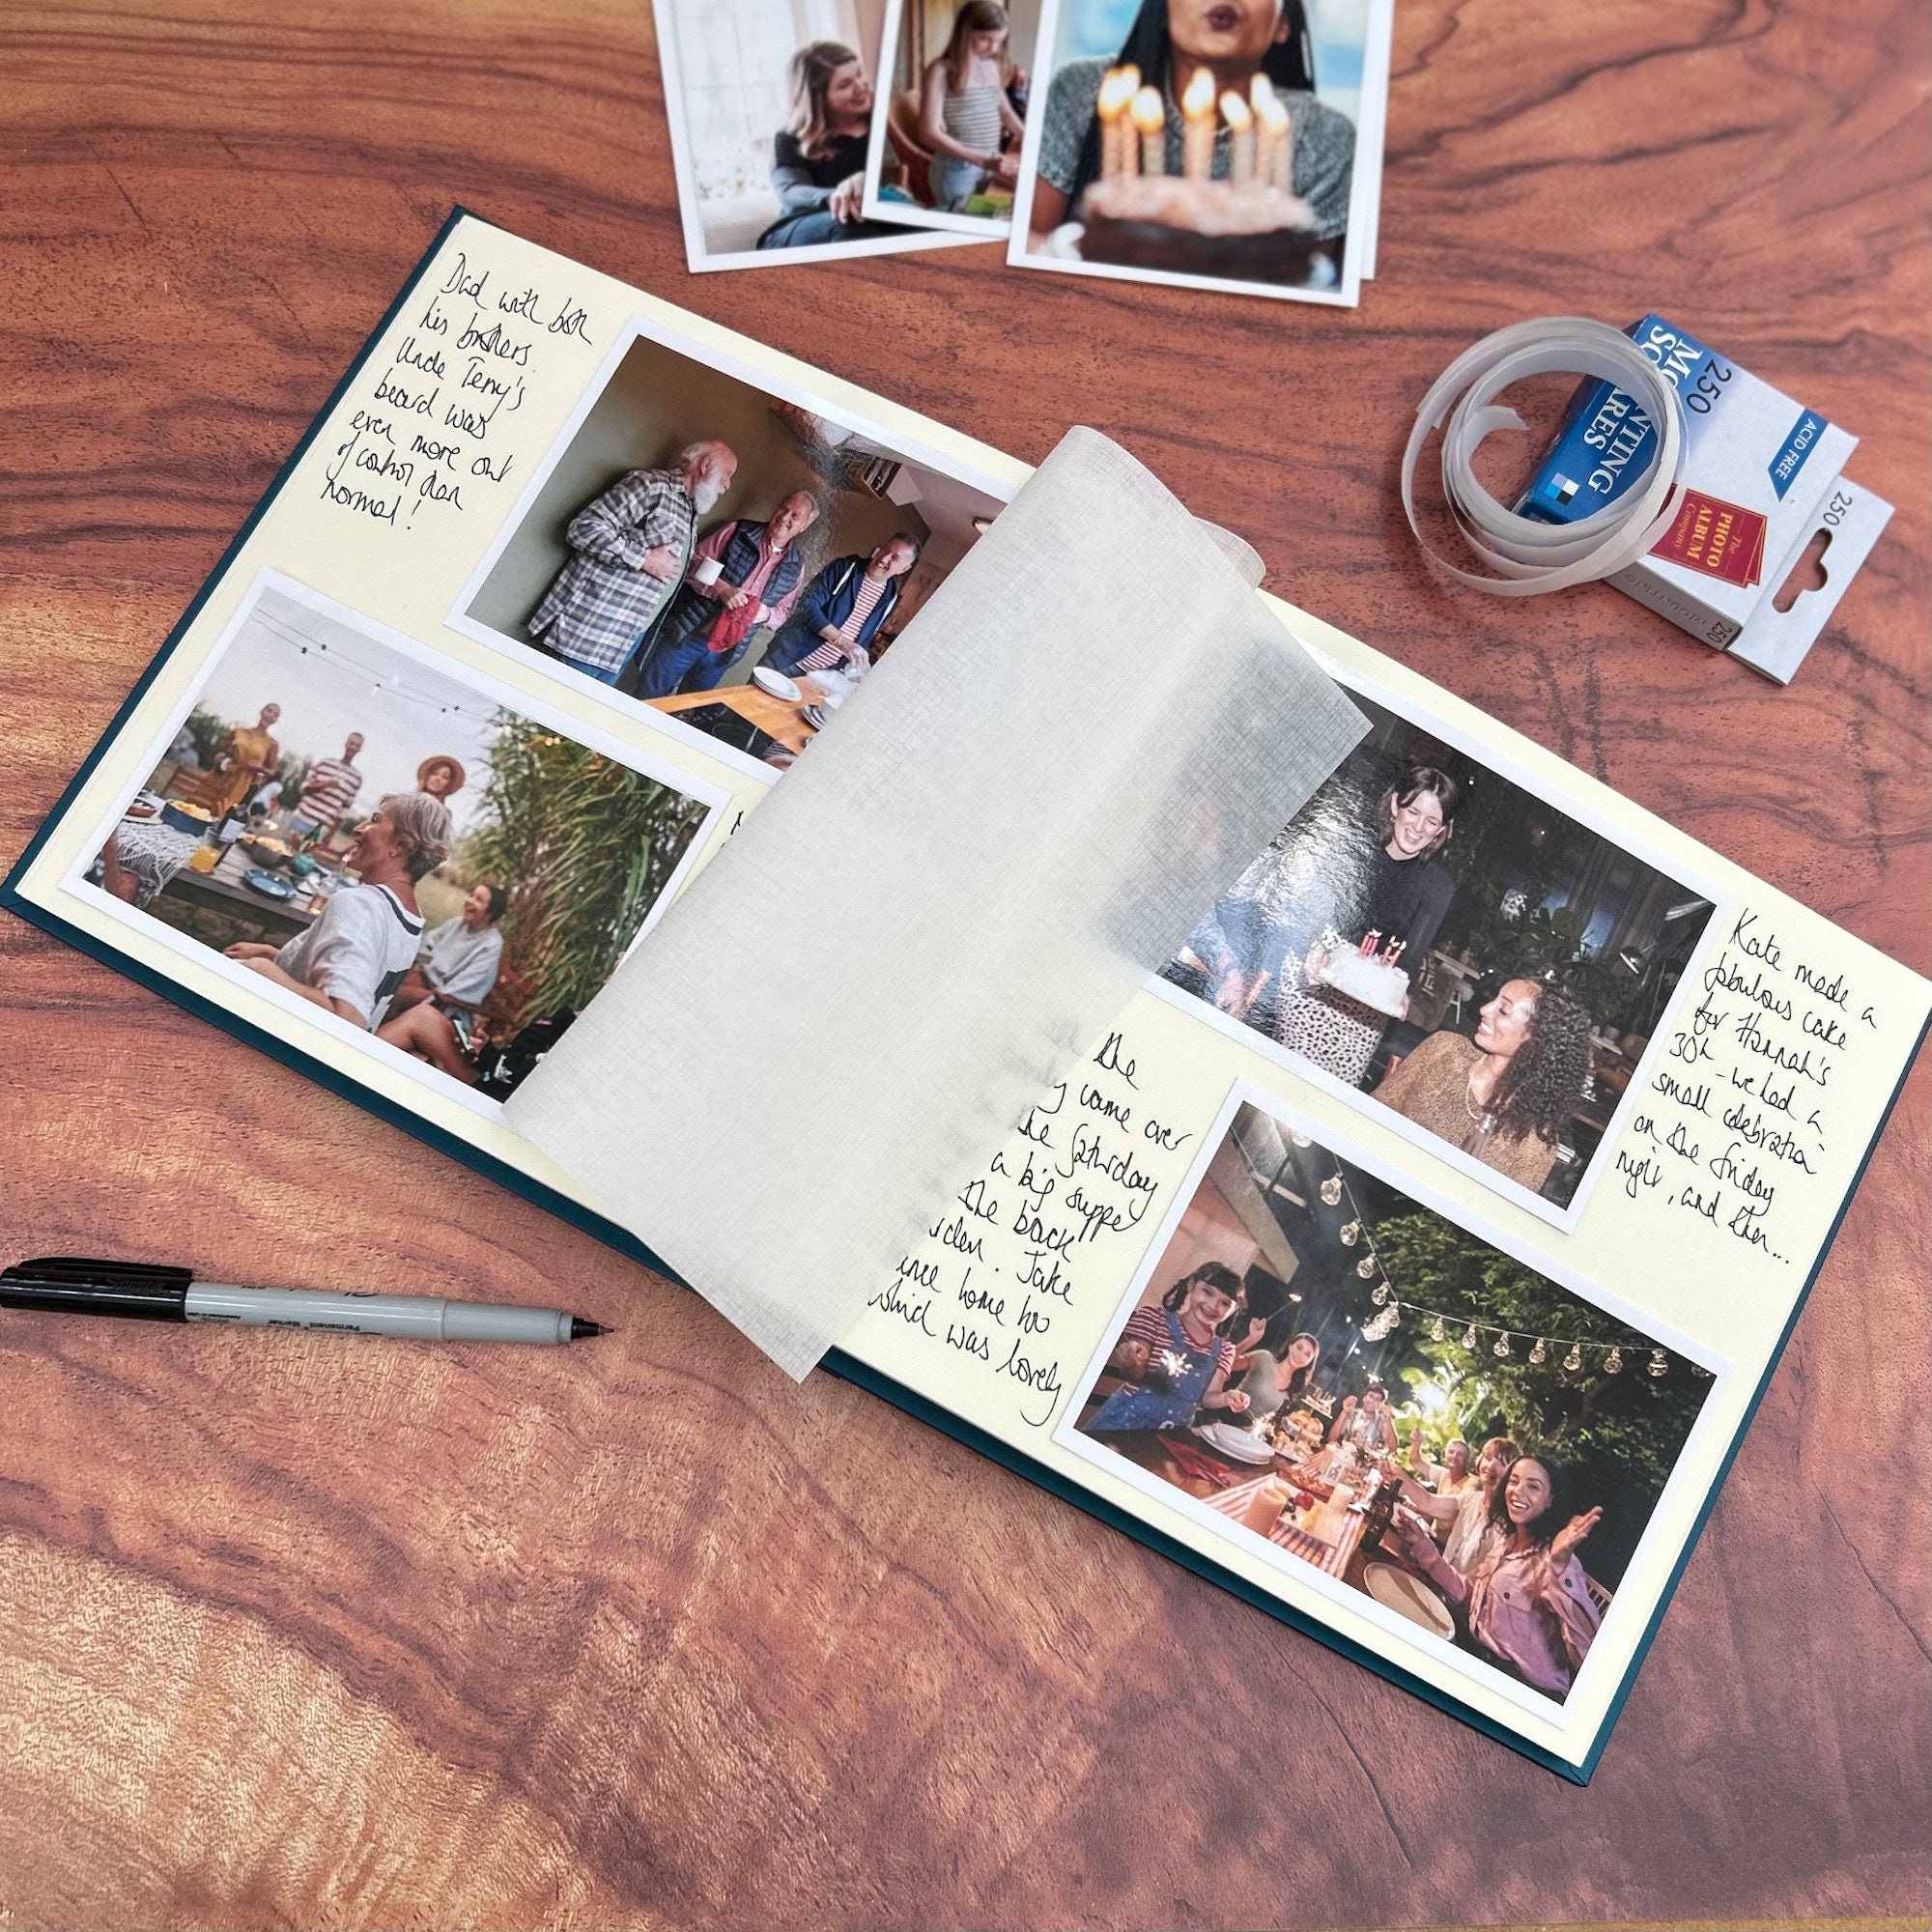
[1355, 1231]
[386, 684]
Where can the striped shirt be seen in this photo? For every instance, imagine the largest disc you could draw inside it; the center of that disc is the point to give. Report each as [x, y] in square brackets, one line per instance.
[327, 792]
[972, 117]
[870, 589]
[600, 601]
[1148, 1327]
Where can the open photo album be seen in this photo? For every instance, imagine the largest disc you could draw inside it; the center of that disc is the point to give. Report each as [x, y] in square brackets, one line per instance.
[1406, 1253]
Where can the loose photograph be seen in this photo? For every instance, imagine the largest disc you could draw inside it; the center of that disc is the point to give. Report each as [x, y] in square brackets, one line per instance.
[723, 559]
[377, 836]
[1358, 1387]
[772, 106]
[1209, 143]
[946, 143]
[1441, 944]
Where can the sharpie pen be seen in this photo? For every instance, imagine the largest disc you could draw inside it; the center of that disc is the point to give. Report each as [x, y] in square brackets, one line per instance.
[67, 1285]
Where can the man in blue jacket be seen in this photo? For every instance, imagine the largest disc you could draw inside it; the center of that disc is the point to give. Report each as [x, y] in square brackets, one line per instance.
[842, 610]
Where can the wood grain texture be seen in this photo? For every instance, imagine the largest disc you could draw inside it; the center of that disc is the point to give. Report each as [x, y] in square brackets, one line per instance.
[322, 1634]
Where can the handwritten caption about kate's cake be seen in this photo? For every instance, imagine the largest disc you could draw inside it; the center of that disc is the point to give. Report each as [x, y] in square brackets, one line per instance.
[1738, 1126]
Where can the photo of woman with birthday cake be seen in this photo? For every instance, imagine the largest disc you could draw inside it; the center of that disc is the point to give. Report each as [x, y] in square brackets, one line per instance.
[1315, 954]
[1198, 146]
[1431, 937]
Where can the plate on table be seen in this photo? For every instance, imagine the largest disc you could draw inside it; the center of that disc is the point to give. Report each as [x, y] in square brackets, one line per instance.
[1409, 1597]
[777, 683]
[814, 716]
[268, 884]
[1239, 1445]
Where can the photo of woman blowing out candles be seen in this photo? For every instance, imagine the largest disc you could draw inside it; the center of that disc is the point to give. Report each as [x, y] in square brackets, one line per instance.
[1200, 148]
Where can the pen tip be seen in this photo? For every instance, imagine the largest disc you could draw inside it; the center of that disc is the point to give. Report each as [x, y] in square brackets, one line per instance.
[580, 1329]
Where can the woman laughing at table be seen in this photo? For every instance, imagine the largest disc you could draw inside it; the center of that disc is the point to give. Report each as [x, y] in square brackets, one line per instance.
[1527, 1600]
[1171, 1358]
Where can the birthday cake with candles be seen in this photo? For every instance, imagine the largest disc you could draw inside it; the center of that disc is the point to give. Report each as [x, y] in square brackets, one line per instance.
[1249, 227]
[1369, 977]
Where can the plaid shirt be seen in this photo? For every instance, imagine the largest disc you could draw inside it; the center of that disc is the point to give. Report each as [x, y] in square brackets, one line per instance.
[602, 598]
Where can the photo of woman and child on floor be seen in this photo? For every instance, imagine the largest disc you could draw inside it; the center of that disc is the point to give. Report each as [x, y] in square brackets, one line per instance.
[1272, 1369]
[1428, 933]
[772, 112]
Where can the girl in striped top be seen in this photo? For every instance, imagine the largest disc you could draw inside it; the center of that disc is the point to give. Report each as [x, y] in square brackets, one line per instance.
[1171, 1360]
[965, 117]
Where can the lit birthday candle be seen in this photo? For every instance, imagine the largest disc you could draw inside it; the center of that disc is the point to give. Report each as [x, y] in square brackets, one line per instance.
[1149, 114]
[1274, 146]
[1240, 119]
[1120, 151]
[1197, 115]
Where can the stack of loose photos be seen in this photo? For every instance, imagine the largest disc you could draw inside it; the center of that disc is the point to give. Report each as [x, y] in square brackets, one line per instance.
[1234, 145]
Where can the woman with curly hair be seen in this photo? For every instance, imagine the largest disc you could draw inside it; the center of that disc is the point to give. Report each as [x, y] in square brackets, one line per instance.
[1527, 1599]
[1506, 1095]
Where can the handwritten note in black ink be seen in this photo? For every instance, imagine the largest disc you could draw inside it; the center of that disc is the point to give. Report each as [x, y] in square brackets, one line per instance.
[426, 424]
[1071, 1197]
[1737, 1126]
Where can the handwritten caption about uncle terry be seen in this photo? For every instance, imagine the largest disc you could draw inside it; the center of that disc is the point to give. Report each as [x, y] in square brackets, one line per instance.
[1736, 1126]
[425, 424]
[997, 1278]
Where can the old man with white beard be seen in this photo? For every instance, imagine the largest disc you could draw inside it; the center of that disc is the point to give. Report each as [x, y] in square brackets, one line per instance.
[630, 549]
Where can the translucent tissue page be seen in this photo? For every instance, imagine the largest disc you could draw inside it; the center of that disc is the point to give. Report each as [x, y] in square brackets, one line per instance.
[1088, 730]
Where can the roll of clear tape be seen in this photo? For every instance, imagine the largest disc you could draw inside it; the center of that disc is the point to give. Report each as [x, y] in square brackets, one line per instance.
[1532, 557]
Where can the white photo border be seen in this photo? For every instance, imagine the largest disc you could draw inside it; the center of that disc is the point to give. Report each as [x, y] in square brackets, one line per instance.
[713, 797]
[1366, 1105]
[635, 709]
[1627, 1617]
[1364, 187]
[697, 254]
[1372, 139]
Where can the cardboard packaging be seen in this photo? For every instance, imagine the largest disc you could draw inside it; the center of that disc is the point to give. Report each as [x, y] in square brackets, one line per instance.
[1762, 477]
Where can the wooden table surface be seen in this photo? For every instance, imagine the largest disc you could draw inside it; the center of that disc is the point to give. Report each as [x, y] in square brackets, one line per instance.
[225, 889]
[782, 718]
[326, 1635]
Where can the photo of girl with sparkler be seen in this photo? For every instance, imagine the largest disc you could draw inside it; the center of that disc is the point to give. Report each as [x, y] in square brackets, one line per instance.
[1404, 1336]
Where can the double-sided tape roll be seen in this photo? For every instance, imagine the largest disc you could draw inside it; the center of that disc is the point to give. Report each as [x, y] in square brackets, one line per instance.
[1532, 557]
